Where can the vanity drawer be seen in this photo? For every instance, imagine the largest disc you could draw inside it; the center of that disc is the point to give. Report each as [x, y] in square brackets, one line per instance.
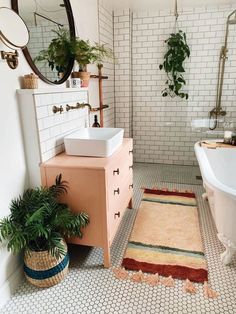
[120, 170]
[119, 173]
[117, 207]
[118, 189]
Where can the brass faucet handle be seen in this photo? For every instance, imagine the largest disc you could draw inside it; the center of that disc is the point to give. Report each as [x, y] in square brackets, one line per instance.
[56, 109]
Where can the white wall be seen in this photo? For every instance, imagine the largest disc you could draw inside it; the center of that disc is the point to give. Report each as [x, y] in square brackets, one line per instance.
[12, 160]
[86, 26]
[106, 37]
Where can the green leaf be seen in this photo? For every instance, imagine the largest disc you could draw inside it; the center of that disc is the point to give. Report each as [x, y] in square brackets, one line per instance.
[180, 79]
[178, 87]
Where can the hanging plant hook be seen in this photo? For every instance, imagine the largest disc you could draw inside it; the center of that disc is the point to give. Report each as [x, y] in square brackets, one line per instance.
[176, 10]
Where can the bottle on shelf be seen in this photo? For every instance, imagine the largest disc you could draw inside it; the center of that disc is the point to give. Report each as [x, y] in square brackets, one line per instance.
[96, 124]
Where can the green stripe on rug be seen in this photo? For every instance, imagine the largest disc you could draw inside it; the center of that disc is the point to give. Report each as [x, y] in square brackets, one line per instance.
[155, 200]
[164, 249]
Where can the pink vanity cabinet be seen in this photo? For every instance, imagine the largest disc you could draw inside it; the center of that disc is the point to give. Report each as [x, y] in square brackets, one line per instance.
[102, 187]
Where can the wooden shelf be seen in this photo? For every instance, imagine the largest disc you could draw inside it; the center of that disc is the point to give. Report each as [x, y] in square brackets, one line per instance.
[99, 76]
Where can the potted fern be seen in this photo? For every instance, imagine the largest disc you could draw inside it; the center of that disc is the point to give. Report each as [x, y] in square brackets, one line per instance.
[86, 54]
[37, 225]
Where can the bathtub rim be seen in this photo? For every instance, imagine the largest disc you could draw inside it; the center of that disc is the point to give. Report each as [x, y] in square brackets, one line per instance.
[208, 175]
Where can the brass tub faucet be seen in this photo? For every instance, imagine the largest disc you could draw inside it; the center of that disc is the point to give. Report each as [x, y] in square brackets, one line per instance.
[78, 106]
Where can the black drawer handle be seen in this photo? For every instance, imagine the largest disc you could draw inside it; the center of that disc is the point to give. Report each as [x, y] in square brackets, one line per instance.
[130, 167]
[117, 171]
[117, 214]
[131, 186]
[131, 152]
[117, 191]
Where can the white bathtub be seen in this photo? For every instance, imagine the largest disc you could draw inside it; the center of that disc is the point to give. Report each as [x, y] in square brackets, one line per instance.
[218, 169]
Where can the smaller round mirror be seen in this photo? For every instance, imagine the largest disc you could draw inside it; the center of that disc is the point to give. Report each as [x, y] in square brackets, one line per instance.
[17, 36]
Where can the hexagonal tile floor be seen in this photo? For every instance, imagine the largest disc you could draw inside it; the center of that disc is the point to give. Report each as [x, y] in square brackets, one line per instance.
[89, 288]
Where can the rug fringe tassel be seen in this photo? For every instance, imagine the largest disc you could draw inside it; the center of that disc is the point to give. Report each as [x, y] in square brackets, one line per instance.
[189, 287]
[137, 277]
[152, 280]
[165, 189]
[208, 292]
[120, 273]
[168, 282]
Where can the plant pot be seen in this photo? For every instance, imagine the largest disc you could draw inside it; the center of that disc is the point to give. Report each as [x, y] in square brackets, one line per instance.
[84, 76]
[44, 270]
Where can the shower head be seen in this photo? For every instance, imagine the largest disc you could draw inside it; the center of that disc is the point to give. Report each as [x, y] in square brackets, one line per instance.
[232, 20]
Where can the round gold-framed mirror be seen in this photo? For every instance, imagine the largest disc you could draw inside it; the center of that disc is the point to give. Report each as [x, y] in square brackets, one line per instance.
[45, 20]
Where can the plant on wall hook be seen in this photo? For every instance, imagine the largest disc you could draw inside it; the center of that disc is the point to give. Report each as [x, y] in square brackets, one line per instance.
[178, 51]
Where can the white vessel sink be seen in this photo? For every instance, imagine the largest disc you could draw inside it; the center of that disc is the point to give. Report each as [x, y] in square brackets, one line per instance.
[94, 142]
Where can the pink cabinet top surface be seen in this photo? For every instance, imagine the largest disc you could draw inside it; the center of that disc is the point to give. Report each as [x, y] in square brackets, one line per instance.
[67, 161]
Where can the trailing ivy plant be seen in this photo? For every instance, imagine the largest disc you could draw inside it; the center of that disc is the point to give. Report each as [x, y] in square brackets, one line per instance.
[178, 51]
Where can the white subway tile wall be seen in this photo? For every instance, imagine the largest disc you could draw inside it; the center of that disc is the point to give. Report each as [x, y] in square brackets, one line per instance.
[106, 37]
[52, 127]
[162, 126]
[122, 49]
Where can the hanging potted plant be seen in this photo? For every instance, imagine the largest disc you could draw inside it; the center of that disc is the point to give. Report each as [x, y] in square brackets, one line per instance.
[177, 52]
[37, 225]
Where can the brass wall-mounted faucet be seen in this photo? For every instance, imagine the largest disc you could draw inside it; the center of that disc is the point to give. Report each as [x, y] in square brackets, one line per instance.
[83, 105]
[79, 106]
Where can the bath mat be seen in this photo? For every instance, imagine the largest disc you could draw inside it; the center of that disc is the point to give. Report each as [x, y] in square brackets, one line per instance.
[166, 237]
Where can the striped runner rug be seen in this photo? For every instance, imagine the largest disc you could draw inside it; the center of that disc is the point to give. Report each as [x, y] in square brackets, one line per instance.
[166, 237]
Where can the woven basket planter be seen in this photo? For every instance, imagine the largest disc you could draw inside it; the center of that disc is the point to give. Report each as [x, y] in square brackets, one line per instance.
[43, 270]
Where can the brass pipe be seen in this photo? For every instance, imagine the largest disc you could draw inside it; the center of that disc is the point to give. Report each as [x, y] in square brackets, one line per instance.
[217, 111]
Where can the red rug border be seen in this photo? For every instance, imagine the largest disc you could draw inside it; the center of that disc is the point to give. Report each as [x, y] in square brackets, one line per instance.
[161, 192]
[177, 272]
